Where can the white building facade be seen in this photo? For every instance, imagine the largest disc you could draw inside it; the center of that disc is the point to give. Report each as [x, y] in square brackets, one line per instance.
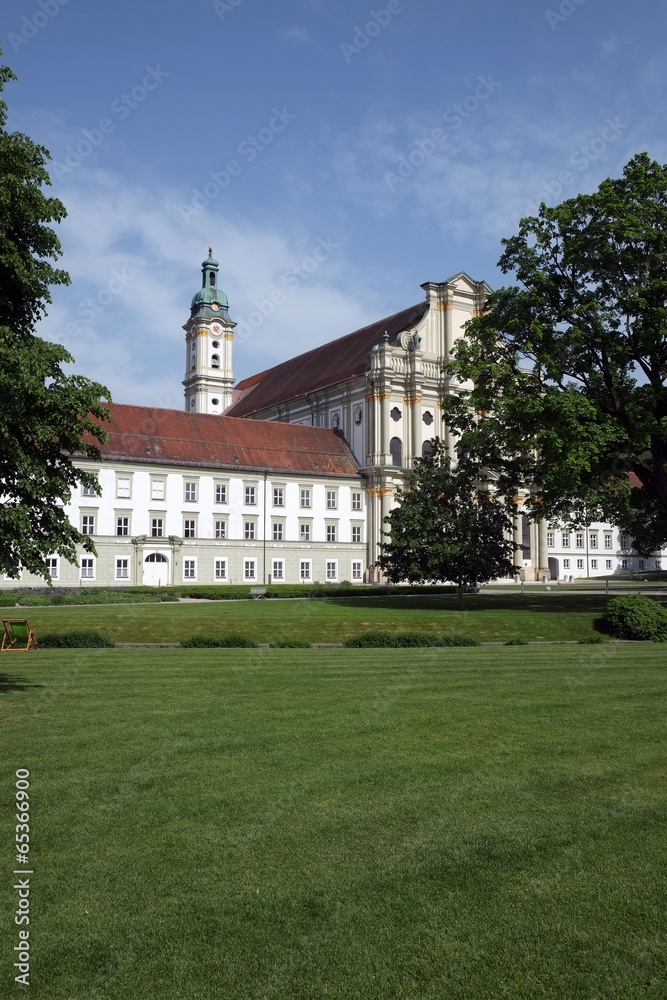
[288, 476]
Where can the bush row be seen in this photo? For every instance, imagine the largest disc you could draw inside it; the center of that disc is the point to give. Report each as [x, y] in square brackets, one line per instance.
[402, 640]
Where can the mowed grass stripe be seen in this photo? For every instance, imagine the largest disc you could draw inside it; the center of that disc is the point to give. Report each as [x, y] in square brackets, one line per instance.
[490, 618]
[279, 823]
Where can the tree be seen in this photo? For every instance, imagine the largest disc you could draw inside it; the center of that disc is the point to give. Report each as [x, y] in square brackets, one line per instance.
[569, 370]
[447, 527]
[46, 416]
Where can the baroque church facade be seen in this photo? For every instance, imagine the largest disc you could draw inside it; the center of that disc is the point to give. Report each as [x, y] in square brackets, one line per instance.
[289, 475]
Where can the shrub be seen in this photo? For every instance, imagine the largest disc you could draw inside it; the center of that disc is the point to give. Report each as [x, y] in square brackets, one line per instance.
[225, 642]
[456, 640]
[637, 617]
[33, 600]
[291, 644]
[591, 640]
[74, 640]
[394, 640]
[402, 640]
[517, 641]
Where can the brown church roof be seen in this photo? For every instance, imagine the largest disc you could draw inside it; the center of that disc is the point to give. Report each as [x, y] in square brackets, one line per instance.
[326, 365]
[174, 437]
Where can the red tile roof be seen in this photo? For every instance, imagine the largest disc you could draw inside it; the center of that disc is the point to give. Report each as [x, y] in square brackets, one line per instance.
[326, 365]
[174, 437]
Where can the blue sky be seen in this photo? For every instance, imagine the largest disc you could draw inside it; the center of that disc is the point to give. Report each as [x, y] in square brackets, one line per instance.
[341, 152]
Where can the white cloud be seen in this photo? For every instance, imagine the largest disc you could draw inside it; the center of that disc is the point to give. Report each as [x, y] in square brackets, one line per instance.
[135, 264]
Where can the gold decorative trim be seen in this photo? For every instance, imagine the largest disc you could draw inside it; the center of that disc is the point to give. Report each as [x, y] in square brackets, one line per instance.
[377, 395]
[410, 400]
[379, 491]
[445, 306]
[229, 336]
[480, 312]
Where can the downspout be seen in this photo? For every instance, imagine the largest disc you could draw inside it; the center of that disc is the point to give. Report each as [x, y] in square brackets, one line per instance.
[264, 533]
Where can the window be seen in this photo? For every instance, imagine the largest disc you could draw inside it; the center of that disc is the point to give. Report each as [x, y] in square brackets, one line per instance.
[88, 491]
[221, 569]
[356, 501]
[594, 564]
[220, 493]
[580, 540]
[356, 533]
[608, 564]
[566, 539]
[550, 539]
[641, 564]
[251, 496]
[157, 489]
[191, 491]
[189, 528]
[278, 531]
[220, 529]
[625, 541]
[427, 449]
[593, 539]
[305, 498]
[122, 525]
[624, 563]
[331, 532]
[88, 524]
[278, 570]
[123, 488]
[157, 527]
[52, 567]
[304, 532]
[122, 571]
[249, 530]
[304, 570]
[87, 569]
[566, 563]
[249, 569]
[332, 500]
[396, 451]
[580, 563]
[189, 569]
[356, 570]
[278, 496]
[332, 571]
[607, 541]
[215, 361]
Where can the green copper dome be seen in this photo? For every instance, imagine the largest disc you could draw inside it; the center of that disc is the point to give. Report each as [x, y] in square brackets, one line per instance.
[210, 300]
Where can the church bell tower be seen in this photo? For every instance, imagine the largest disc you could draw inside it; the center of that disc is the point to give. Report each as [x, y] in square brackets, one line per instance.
[208, 342]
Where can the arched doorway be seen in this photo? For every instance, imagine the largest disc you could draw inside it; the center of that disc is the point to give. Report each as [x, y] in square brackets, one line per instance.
[553, 568]
[156, 570]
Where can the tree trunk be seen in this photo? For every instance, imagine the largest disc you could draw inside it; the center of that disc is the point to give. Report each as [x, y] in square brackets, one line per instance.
[460, 597]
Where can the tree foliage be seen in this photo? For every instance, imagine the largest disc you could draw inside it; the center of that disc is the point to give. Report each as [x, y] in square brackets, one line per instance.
[46, 416]
[447, 527]
[569, 370]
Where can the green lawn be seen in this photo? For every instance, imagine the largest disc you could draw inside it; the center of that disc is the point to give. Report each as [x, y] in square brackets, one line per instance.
[459, 823]
[489, 617]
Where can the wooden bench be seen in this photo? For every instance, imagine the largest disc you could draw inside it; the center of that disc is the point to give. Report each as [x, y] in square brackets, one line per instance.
[258, 592]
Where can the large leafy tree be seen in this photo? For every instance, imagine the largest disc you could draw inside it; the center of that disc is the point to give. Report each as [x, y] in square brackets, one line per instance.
[565, 376]
[447, 526]
[46, 416]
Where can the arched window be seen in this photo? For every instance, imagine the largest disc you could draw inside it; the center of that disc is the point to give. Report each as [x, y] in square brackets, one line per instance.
[215, 361]
[156, 557]
[427, 449]
[211, 278]
[396, 451]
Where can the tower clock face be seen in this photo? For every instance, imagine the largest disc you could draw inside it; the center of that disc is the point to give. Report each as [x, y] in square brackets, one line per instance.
[216, 329]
